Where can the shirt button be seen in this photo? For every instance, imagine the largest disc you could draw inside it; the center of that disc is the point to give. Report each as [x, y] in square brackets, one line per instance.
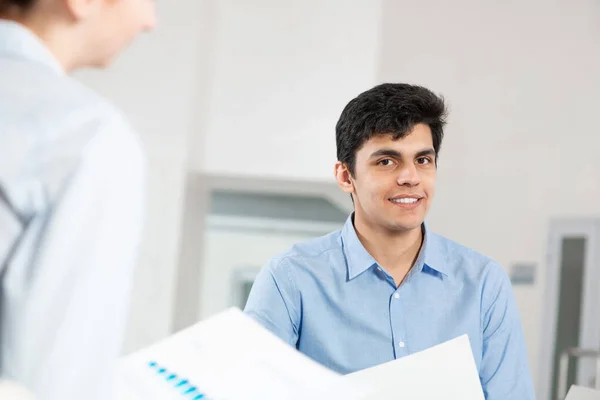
[401, 344]
[396, 295]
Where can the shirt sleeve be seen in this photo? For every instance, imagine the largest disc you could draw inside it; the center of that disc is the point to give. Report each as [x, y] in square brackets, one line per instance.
[65, 322]
[504, 371]
[274, 301]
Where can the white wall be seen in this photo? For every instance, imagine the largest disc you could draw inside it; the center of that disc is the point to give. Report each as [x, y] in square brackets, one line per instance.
[227, 250]
[521, 147]
[156, 84]
[282, 72]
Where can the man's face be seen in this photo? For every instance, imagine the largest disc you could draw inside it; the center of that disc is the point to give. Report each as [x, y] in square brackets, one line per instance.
[117, 24]
[393, 181]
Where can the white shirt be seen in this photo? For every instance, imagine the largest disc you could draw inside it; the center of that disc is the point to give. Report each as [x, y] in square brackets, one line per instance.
[71, 197]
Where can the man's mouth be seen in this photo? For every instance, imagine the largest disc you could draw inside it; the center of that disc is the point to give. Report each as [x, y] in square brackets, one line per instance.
[405, 200]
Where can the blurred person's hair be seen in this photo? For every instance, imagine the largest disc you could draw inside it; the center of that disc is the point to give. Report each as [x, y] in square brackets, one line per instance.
[390, 109]
[21, 5]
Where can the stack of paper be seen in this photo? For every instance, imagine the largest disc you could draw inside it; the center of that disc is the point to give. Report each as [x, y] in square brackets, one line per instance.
[231, 357]
[228, 357]
[446, 371]
[582, 393]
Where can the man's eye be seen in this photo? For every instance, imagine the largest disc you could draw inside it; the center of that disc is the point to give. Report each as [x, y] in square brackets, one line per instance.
[424, 160]
[385, 162]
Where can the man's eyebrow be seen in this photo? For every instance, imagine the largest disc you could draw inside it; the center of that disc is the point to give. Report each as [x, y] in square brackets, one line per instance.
[426, 152]
[385, 152]
[396, 154]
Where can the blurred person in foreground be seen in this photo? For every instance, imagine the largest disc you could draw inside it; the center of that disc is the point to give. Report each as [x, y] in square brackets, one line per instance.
[71, 196]
[385, 286]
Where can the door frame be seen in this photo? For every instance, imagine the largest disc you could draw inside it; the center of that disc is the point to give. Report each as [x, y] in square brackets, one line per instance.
[589, 335]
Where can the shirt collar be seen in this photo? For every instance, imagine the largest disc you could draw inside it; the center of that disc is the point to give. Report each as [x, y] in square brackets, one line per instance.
[433, 253]
[359, 260]
[19, 42]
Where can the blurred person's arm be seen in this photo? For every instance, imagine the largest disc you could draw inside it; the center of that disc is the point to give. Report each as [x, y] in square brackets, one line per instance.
[65, 323]
[274, 301]
[504, 370]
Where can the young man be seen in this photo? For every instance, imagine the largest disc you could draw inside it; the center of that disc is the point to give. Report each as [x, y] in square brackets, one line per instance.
[71, 196]
[385, 286]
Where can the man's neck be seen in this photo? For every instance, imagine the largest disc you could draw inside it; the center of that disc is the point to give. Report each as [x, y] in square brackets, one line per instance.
[394, 251]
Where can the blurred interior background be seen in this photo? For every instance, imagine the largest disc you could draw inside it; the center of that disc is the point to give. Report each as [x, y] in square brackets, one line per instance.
[237, 101]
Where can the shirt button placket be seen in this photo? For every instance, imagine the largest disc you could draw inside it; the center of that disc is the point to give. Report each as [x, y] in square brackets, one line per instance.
[397, 334]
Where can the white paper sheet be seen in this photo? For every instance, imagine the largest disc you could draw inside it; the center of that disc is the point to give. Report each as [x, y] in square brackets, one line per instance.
[228, 357]
[446, 371]
[12, 391]
[582, 393]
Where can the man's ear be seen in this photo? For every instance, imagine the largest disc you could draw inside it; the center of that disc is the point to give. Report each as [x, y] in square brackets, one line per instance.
[343, 177]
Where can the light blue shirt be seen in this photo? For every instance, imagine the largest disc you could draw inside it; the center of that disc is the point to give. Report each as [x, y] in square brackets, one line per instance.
[71, 214]
[329, 298]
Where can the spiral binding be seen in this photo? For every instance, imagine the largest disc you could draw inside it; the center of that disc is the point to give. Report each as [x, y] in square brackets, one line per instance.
[187, 388]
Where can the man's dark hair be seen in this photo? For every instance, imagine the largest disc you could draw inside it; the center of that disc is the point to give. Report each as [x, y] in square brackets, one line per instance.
[22, 5]
[389, 108]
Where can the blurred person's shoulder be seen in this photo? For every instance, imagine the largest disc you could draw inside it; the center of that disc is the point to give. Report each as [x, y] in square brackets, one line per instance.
[50, 106]
[53, 125]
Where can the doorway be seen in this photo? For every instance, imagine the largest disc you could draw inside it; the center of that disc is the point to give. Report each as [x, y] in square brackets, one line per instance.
[571, 303]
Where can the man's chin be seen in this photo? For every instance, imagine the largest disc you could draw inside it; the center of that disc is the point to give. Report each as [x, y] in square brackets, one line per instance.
[407, 225]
